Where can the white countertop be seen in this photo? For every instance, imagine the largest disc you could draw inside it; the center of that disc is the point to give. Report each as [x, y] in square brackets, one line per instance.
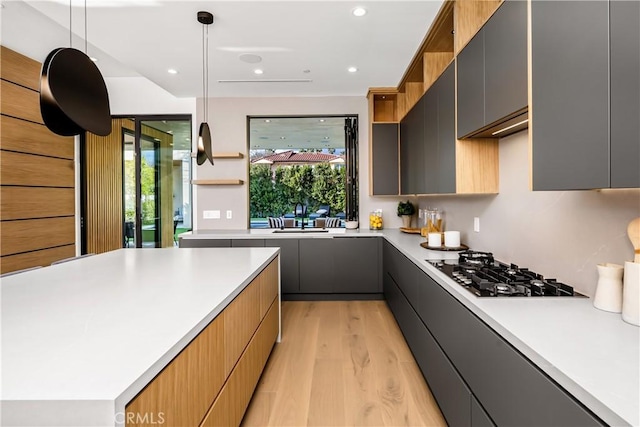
[81, 339]
[593, 354]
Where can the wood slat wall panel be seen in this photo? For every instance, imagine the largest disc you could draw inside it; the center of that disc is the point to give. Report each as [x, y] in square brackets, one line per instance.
[103, 180]
[36, 172]
[29, 170]
[20, 102]
[42, 257]
[35, 234]
[32, 138]
[29, 202]
[19, 69]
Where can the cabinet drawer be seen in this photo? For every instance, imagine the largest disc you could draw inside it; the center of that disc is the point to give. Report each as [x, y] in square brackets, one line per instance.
[506, 379]
[448, 388]
[403, 271]
[173, 395]
[229, 407]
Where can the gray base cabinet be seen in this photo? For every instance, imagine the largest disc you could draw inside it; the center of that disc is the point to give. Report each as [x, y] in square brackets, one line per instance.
[289, 265]
[340, 265]
[205, 243]
[317, 268]
[247, 243]
[457, 351]
[357, 265]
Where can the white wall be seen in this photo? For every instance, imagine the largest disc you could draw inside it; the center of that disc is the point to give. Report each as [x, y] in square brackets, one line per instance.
[561, 234]
[138, 95]
[228, 122]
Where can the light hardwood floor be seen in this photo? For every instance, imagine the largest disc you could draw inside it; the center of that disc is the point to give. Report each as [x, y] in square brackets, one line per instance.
[341, 363]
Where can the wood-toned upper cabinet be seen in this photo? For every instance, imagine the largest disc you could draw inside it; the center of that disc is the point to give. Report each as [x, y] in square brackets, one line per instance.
[384, 159]
[624, 30]
[492, 71]
[569, 109]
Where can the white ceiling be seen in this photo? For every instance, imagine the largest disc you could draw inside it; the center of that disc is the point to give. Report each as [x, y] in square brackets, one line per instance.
[147, 37]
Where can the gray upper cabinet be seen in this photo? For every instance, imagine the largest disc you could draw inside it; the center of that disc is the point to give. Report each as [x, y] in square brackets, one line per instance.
[492, 71]
[412, 149]
[440, 140]
[505, 61]
[570, 95]
[625, 93]
[384, 159]
[429, 172]
[471, 86]
[446, 171]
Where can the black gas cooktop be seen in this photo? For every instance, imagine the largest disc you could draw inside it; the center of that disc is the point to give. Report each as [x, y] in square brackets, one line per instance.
[483, 276]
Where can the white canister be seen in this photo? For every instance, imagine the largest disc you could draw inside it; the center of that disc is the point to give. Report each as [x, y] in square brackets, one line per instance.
[631, 293]
[434, 240]
[452, 239]
[609, 291]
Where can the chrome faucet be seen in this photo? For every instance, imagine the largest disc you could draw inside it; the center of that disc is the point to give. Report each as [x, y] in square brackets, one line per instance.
[302, 212]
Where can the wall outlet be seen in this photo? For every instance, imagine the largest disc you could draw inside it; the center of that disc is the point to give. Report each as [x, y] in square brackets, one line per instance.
[207, 214]
[476, 224]
[229, 214]
[216, 214]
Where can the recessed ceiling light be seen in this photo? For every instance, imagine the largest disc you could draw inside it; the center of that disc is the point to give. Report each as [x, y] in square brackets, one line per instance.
[359, 11]
[326, 137]
[283, 137]
[258, 71]
[267, 121]
[93, 58]
[321, 120]
[172, 71]
[352, 69]
[250, 58]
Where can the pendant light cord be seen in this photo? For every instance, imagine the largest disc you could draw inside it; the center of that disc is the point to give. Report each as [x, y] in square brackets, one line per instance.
[206, 110]
[70, 25]
[204, 73]
[86, 43]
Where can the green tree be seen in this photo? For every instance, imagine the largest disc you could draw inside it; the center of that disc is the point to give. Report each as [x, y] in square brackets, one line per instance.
[261, 191]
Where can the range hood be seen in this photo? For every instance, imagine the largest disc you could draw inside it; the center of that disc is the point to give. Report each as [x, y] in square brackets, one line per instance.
[506, 126]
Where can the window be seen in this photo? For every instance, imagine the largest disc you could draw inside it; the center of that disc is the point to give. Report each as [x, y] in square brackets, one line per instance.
[302, 170]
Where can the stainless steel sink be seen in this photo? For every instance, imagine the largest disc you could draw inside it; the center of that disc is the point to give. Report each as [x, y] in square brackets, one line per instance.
[300, 231]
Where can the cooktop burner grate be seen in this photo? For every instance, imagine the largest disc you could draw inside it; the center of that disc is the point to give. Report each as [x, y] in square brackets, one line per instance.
[483, 276]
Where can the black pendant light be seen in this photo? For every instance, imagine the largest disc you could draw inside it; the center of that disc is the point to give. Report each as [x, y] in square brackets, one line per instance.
[204, 134]
[73, 95]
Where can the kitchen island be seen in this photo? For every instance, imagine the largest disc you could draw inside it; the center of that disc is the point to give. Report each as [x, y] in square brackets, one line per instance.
[81, 340]
[592, 355]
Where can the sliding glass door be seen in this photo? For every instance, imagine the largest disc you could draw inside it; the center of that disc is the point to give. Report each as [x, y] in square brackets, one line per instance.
[156, 184]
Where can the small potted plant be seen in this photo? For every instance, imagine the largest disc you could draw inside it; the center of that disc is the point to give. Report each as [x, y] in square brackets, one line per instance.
[406, 211]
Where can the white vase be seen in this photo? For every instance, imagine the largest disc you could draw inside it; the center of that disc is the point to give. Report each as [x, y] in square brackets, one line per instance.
[609, 291]
[631, 293]
[406, 221]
